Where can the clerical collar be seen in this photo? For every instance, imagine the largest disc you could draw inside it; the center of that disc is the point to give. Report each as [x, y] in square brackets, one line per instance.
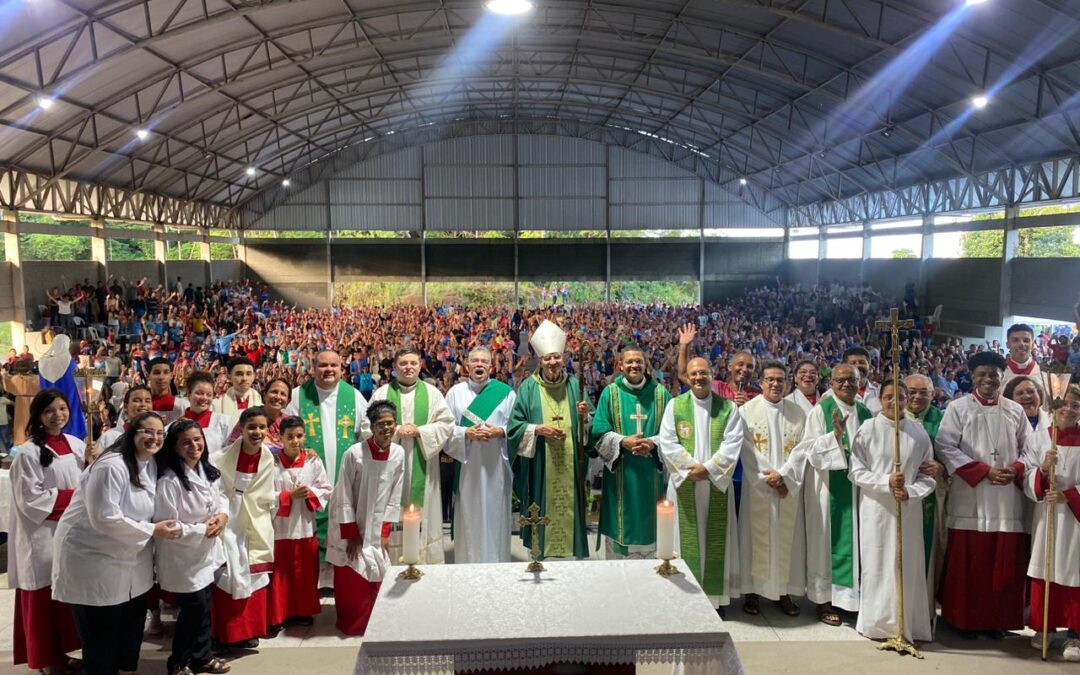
[918, 416]
[477, 387]
[1025, 368]
[631, 385]
[778, 404]
[702, 401]
[331, 390]
[405, 388]
[985, 402]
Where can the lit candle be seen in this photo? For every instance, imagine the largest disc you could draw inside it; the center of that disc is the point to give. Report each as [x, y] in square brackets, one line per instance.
[665, 530]
[410, 546]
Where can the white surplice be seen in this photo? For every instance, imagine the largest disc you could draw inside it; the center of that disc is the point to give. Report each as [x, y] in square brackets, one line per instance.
[872, 455]
[720, 463]
[1065, 571]
[188, 564]
[482, 510]
[799, 398]
[34, 491]
[996, 435]
[328, 421]
[368, 494]
[823, 454]
[227, 403]
[434, 432]
[772, 531]
[300, 523]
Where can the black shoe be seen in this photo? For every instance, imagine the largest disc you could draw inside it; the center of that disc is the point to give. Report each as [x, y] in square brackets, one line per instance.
[995, 634]
[272, 631]
[722, 612]
[300, 621]
[968, 634]
[253, 643]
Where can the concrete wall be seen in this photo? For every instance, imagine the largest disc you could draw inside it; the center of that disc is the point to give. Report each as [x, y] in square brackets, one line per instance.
[136, 269]
[194, 272]
[223, 270]
[7, 297]
[1047, 288]
[296, 269]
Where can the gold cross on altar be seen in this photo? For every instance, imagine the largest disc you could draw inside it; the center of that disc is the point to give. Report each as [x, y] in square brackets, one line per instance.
[310, 421]
[345, 425]
[638, 418]
[532, 522]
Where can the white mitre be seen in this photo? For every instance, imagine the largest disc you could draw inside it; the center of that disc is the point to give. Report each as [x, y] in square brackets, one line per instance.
[54, 364]
[548, 339]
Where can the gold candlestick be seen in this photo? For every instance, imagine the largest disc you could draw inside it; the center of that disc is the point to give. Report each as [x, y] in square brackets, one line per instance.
[88, 375]
[1056, 380]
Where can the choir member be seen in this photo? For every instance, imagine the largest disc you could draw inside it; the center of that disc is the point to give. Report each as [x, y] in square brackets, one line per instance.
[276, 398]
[44, 475]
[216, 426]
[103, 563]
[189, 492]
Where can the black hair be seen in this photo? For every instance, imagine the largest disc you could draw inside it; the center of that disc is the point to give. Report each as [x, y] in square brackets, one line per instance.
[169, 458]
[1019, 328]
[198, 376]
[986, 359]
[35, 429]
[158, 361]
[287, 384]
[631, 347]
[133, 389]
[774, 365]
[238, 361]
[257, 411]
[289, 422]
[854, 351]
[889, 383]
[125, 445]
[405, 351]
[378, 408]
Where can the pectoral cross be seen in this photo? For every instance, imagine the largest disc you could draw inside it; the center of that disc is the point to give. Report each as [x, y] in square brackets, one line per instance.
[345, 425]
[532, 522]
[995, 455]
[557, 417]
[638, 418]
[310, 421]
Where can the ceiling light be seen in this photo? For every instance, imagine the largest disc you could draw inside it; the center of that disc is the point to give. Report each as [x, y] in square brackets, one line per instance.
[250, 171]
[286, 182]
[44, 102]
[887, 132]
[742, 180]
[980, 101]
[508, 7]
[969, 3]
[142, 134]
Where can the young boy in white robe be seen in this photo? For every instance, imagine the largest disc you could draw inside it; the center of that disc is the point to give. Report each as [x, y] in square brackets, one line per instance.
[365, 505]
[303, 489]
[1065, 498]
[873, 471]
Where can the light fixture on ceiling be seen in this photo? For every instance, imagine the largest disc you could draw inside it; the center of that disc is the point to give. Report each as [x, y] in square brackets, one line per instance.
[969, 3]
[250, 171]
[142, 134]
[980, 101]
[45, 102]
[285, 182]
[742, 180]
[508, 7]
[887, 132]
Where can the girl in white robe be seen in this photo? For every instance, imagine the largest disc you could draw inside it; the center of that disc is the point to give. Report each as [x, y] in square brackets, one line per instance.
[44, 475]
[189, 492]
[872, 470]
[365, 505]
[103, 563]
[137, 400]
[216, 426]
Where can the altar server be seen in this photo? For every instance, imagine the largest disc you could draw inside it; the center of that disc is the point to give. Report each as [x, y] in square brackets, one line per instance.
[216, 426]
[241, 395]
[363, 510]
[103, 563]
[872, 470]
[303, 490]
[1020, 340]
[44, 475]
[189, 492]
[159, 373]
[137, 400]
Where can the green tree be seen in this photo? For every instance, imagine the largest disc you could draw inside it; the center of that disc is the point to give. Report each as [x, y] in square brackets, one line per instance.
[903, 254]
[1035, 242]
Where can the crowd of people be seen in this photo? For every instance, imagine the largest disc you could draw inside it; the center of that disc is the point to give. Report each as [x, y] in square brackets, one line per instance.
[249, 453]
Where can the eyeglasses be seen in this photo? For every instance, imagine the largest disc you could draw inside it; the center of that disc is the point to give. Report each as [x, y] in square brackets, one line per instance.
[152, 433]
[845, 380]
[773, 380]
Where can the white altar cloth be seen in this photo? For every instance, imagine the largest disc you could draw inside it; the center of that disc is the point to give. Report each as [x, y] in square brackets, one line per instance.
[461, 618]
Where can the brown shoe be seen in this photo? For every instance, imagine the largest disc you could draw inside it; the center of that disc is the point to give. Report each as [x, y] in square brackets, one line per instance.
[751, 605]
[788, 606]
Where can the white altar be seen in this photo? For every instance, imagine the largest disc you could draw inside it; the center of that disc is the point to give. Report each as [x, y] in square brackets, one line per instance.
[462, 618]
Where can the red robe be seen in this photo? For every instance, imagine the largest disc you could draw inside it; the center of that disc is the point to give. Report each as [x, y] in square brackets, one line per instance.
[294, 585]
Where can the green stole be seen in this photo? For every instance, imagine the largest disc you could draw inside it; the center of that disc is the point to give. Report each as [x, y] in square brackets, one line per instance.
[489, 398]
[931, 421]
[630, 521]
[560, 477]
[710, 574]
[841, 516]
[418, 475]
[345, 414]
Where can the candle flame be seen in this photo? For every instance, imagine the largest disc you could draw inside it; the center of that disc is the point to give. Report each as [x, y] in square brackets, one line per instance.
[666, 502]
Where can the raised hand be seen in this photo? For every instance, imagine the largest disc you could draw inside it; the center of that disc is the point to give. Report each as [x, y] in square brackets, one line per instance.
[838, 426]
[687, 333]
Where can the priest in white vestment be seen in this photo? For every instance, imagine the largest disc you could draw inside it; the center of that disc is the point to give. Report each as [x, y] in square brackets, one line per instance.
[424, 426]
[772, 531]
[872, 470]
[481, 407]
[832, 528]
[701, 436]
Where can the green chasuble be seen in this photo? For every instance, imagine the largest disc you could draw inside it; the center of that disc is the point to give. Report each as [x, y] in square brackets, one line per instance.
[345, 416]
[634, 484]
[840, 507]
[554, 477]
[931, 421]
[709, 574]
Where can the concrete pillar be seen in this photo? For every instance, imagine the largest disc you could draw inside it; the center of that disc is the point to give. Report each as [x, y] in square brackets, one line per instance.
[204, 255]
[159, 255]
[822, 254]
[701, 241]
[99, 248]
[329, 248]
[866, 252]
[1009, 250]
[13, 255]
[924, 261]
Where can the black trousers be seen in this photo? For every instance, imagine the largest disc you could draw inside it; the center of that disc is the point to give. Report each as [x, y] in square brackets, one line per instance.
[111, 636]
[191, 641]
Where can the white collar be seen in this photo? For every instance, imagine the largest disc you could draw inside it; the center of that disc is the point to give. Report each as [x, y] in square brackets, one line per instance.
[477, 388]
[631, 385]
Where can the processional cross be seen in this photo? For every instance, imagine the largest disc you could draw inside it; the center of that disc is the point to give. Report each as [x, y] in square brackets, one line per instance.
[532, 522]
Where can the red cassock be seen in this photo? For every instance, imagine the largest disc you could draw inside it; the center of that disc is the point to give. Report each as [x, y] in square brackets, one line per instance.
[44, 630]
[354, 598]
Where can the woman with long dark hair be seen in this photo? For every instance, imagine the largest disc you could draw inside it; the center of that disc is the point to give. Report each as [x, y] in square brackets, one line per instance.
[189, 492]
[104, 563]
[44, 474]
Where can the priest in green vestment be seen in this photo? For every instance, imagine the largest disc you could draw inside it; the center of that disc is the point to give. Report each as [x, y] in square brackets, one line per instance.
[550, 462]
[623, 435]
[701, 436]
[920, 394]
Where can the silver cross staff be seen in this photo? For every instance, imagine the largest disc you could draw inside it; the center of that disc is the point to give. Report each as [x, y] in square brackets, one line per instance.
[638, 417]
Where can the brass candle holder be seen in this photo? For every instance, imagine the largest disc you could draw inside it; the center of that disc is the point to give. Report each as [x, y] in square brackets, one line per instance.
[666, 569]
[411, 573]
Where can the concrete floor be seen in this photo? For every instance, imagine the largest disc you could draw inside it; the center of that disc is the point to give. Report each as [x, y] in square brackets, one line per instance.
[768, 643]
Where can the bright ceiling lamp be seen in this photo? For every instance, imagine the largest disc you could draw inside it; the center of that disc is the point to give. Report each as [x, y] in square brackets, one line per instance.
[508, 7]
[969, 3]
[980, 101]
[44, 102]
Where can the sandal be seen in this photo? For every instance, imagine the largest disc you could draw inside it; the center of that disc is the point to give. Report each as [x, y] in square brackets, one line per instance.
[73, 665]
[788, 606]
[751, 605]
[215, 665]
[828, 616]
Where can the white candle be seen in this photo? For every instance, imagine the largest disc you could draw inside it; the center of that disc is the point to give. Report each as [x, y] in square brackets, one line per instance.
[410, 546]
[665, 530]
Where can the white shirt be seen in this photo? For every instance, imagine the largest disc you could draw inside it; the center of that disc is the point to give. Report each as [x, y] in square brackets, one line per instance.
[188, 564]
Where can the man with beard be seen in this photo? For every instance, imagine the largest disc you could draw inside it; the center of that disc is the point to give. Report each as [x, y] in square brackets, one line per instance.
[551, 462]
[807, 378]
[481, 407]
[624, 434]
